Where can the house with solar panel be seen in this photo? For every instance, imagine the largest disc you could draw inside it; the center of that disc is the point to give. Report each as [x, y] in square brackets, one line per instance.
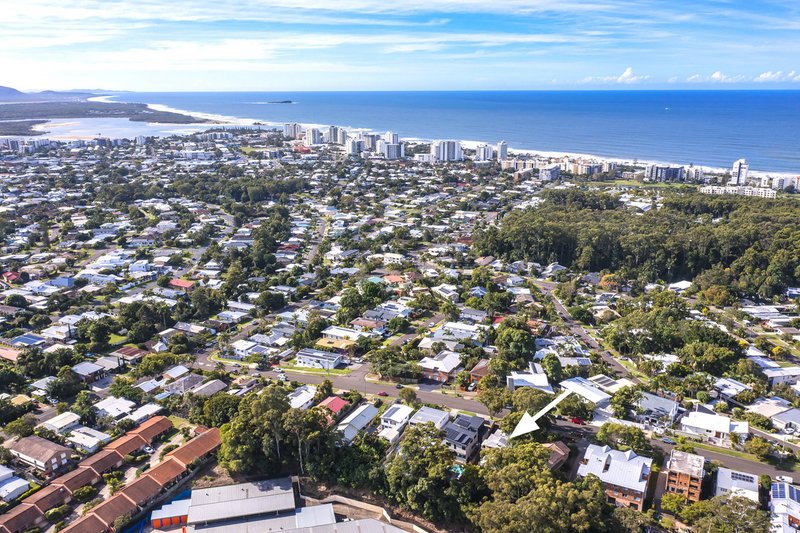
[784, 506]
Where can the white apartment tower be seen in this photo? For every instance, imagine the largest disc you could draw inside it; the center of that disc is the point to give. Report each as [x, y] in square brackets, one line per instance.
[332, 136]
[447, 151]
[502, 151]
[354, 146]
[739, 173]
[292, 131]
[391, 138]
[483, 152]
[313, 137]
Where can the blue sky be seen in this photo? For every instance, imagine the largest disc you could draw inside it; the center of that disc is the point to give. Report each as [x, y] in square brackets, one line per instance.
[224, 45]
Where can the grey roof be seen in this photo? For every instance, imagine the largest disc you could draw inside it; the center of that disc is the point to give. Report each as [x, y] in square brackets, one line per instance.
[241, 500]
[87, 368]
[365, 525]
[463, 429]
[656, 405]
[791, 416]
[212, 387]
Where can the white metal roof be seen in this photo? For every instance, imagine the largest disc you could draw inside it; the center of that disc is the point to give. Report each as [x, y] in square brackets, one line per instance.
[623, 469]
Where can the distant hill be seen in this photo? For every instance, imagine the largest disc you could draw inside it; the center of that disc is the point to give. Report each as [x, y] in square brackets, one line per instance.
[10, 91]
[9, 94]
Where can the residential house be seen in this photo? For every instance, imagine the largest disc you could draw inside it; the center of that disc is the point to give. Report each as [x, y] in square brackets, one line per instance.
[463, 436]
[624, 475]
[11, 486]
[336, 404]
[88, 371]
[784, 508]
[735, 483]
[444, 366]
[393, 420]
[715, 428]
[479, 371]
[426, 415]
[534, 378]
[655, 411]
[43, 455]
[302, 397]
[309, 357]
[357, 420]
[63, 423]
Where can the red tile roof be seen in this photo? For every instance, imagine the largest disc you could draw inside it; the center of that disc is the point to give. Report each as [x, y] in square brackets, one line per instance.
[128, 443]
[199, 446]
[80, 477]
[20, 517]
[103, 461]
[142, 490]
[153, 427]
[113, 508]
[49, 497]
[88, 524]
[334, 403]
[165, 472]
[181, 283]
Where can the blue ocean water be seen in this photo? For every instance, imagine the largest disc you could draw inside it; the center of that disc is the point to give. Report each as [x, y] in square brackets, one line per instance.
[711, 128]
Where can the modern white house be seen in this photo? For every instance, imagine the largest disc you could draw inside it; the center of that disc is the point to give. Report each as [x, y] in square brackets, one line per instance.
[393, 420]
[735, 483]
[357, 420]
[715, 428]
[534, 378]
[784, 507]
[302, 397]
[63, 423]
[426, 415]
[396, 416]
[318, 359]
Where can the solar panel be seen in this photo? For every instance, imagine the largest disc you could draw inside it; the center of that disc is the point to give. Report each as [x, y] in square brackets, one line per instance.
[794, 493]
[778, 490]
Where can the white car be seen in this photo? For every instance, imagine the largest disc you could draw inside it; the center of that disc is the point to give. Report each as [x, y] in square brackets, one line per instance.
[784, 479]
[148, 449]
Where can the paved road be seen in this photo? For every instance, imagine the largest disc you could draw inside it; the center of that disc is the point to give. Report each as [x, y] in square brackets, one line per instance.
[312, 250]
[356, 380]
[578, 331]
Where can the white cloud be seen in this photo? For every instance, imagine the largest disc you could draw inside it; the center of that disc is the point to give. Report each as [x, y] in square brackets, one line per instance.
[719, 77]
[777, 76]
[627, 77]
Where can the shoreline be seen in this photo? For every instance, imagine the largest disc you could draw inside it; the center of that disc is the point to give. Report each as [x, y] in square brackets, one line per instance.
[211, 120]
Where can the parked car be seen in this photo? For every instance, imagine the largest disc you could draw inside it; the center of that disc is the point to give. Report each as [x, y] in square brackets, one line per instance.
[668, 440]
[398, 386]
[282, 377]
[148, 449]
[471, 387]
[382, 393]
[784, 479]
[576, 420]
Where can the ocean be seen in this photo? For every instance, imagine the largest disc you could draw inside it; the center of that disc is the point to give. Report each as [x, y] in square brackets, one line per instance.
[707, 128]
